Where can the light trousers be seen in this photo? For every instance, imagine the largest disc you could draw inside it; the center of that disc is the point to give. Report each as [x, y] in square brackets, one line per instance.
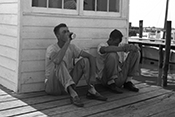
[120, 72]
[62, 79]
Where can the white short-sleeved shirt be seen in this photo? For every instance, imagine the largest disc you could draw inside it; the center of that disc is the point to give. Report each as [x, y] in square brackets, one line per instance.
[101, 57]
[71, 53]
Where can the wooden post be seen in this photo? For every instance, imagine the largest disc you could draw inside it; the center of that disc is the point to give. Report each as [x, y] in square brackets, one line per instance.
[140, 36]
[130, 25]
[130, 30]
[165, 20]
[160, 64]
[167, 52]
[159, 80]
[140, 28]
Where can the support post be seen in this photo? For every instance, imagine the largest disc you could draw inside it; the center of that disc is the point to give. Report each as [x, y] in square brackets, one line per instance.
[130, 25]
[140, 36]
[160, 64]
[140, 28]
[130, 30]
[167, 53]
[159, 80]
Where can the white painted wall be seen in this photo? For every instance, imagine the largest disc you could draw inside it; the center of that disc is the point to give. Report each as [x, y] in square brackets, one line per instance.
[27, 54]
[37, 35]
[9, 43]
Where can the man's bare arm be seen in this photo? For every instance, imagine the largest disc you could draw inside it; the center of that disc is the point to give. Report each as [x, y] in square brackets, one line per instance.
[124, 48]
[58, 57]
[91, 61]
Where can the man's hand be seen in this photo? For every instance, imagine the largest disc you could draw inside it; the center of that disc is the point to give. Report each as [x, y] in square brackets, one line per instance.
[131, 47]
[137, 46]
[102, 50]
[67, 37]
[134, 48]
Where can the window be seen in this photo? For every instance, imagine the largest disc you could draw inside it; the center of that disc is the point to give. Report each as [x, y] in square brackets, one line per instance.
[39, 3]
[61, 4]
[102, 5]
[79, 7]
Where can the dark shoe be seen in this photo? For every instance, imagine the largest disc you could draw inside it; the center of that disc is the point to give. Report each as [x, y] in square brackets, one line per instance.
[76, 101]
[96, 96]
[130, 86]
[114, 88]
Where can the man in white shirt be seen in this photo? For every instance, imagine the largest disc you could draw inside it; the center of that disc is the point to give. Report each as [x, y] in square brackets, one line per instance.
[62, 75]
[117, 63]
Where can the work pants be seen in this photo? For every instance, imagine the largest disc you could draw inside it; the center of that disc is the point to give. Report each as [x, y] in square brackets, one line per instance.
[120, 72]
[61, 79]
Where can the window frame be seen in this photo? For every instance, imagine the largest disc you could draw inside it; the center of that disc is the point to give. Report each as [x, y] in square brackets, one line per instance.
[101, 13]
[79, 11]
[54, 10]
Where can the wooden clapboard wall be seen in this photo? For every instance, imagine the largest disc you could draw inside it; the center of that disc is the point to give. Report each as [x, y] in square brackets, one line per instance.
[37, 34]
[9, 43]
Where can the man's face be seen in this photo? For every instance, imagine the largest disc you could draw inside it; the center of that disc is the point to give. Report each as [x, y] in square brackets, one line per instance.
[114, 42]
[63, 34]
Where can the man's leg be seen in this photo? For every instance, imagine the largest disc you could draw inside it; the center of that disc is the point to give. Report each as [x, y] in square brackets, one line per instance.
[59, 80]
[111, 72]
[66, 80]
[111, 68]
[63, 76]
[131, 68]
[82, 70]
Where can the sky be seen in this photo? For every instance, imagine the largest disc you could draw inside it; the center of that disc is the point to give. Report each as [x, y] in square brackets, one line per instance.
[152, 12]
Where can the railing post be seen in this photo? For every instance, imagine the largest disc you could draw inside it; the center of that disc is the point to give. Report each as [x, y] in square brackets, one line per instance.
[140, 36]
[160, 64]
[159, 79]
[140, 28]
[130, 25]
[167, 53]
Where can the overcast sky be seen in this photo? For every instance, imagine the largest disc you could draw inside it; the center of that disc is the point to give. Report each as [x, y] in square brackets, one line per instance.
[152, 12]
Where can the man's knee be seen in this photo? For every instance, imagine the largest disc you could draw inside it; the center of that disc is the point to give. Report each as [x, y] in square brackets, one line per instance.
[61, 68]
[85, 61]
[62, 65]
[136, 54]
[113, 56]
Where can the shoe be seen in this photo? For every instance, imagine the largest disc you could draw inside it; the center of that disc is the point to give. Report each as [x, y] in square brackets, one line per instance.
[96, 96]
[114, 88]
[130, 86]
[76, 101]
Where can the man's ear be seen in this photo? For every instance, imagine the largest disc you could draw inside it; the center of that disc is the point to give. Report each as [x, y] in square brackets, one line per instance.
[121, 40]
[57, 35]
[110, 39]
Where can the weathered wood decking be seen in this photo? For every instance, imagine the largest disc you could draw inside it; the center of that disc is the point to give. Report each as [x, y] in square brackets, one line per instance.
[152, 101]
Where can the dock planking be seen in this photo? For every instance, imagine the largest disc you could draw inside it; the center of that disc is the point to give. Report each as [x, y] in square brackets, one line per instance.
[153, 101]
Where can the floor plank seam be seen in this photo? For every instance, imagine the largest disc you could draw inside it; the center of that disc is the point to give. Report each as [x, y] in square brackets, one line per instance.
[111, 101]
[125, 105]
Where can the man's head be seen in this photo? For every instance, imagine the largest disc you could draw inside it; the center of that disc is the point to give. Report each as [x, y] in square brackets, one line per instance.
[61, 31]
[115, 37]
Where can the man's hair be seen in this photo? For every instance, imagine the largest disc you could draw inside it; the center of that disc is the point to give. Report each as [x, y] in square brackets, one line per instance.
[57, 28]
[116, 34]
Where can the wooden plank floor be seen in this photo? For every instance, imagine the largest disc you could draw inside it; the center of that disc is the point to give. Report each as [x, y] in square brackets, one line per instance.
[151, 101]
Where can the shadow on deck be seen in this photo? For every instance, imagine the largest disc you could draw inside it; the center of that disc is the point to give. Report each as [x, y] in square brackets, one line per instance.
[149, 73]
[150, 101]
